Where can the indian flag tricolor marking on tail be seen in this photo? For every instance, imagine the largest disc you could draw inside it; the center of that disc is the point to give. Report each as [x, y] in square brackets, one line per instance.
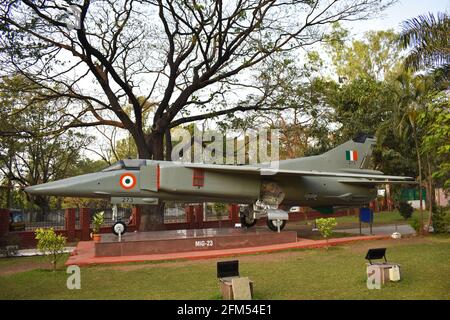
[351, 155]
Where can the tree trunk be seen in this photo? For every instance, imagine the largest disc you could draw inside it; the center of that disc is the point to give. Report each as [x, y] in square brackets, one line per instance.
[419, 164]
[152, 216]
[9, 203]
[430, 194]
[156, 140]
[388, 198]
[168, 142]
[43, 202]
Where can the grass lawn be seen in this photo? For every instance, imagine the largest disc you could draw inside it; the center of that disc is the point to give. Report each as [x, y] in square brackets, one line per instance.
[385, 217]
[337, 273]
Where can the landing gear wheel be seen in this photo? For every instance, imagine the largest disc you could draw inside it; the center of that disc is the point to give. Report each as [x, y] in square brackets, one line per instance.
[248, 220]
[119, 227]
[273, 224]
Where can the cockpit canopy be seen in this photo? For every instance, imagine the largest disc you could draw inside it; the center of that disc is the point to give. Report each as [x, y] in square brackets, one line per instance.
[126, 164]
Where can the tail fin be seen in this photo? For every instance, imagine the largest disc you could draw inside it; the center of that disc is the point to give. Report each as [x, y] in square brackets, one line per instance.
[353, 154]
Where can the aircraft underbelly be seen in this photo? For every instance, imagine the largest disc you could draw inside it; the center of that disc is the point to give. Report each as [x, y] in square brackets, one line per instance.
[324, 191]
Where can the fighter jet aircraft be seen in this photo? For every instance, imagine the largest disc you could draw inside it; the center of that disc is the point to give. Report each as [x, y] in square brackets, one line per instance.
[339, 177]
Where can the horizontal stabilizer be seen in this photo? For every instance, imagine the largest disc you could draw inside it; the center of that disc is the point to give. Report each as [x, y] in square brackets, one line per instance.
[372, 182]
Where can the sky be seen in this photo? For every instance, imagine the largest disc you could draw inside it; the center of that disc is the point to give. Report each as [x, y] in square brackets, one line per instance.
[399, 12]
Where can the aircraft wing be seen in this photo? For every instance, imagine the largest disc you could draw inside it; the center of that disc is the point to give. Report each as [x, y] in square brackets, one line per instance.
[224, 168]
[369, 178]
[374, 178]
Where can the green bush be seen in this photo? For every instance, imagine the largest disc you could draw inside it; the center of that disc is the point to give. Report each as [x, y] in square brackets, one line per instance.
[50, 244]
[405, 209]
[440, 224]
[415, 224]
[326, 226]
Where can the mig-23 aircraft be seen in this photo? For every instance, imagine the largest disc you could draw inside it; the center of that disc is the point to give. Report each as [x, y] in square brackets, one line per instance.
[339, 177]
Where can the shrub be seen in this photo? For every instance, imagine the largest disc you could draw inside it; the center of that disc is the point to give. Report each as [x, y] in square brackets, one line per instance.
[50, 244]
[439, 222]
[415, 224]
[405, 209]
[326, 226]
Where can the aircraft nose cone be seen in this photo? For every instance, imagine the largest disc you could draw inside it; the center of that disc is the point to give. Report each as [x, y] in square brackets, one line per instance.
[49, 188]
[35, 190]
[75, 186]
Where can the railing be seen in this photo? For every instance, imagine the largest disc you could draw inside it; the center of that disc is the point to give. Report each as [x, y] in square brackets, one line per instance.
[175, 213]
[215, 217]
[36, 219]
[56, 218]
[123, 214]
[211, 213]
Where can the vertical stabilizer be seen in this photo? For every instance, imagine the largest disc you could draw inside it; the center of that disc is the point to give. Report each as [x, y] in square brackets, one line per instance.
[353, 154]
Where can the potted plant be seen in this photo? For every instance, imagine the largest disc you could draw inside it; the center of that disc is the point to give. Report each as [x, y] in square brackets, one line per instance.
[97, 223]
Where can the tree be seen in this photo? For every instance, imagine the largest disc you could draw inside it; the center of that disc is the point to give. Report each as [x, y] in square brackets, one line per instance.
[411, 99]
[375, 57]
[295, 104]
[375, 93]
[186, 56]
[358, 92]
[27, 157]
[435, 118]
[428, 37]
[50, 244]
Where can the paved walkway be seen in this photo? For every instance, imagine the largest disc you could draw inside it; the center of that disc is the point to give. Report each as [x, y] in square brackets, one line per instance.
[36, 252]
[404, 229]
[84, 253]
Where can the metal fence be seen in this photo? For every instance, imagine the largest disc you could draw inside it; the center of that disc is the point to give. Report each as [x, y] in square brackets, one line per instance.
[212, 212]
[123, 214]
[36, 219]
[175, 213]
[56, 218]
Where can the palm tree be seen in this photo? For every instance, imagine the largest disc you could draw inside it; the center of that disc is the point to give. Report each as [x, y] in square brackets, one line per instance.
[411, 96]
[428, 36]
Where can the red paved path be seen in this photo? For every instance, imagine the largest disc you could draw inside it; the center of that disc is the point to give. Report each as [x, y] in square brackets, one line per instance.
[84, 253]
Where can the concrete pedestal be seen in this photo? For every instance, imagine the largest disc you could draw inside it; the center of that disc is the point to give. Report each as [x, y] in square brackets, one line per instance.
[188, 240]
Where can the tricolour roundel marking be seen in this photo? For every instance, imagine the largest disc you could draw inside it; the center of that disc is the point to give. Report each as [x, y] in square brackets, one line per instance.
[127, 181]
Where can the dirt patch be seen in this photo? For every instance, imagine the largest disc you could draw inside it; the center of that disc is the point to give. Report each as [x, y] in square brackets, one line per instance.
[22, 267]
